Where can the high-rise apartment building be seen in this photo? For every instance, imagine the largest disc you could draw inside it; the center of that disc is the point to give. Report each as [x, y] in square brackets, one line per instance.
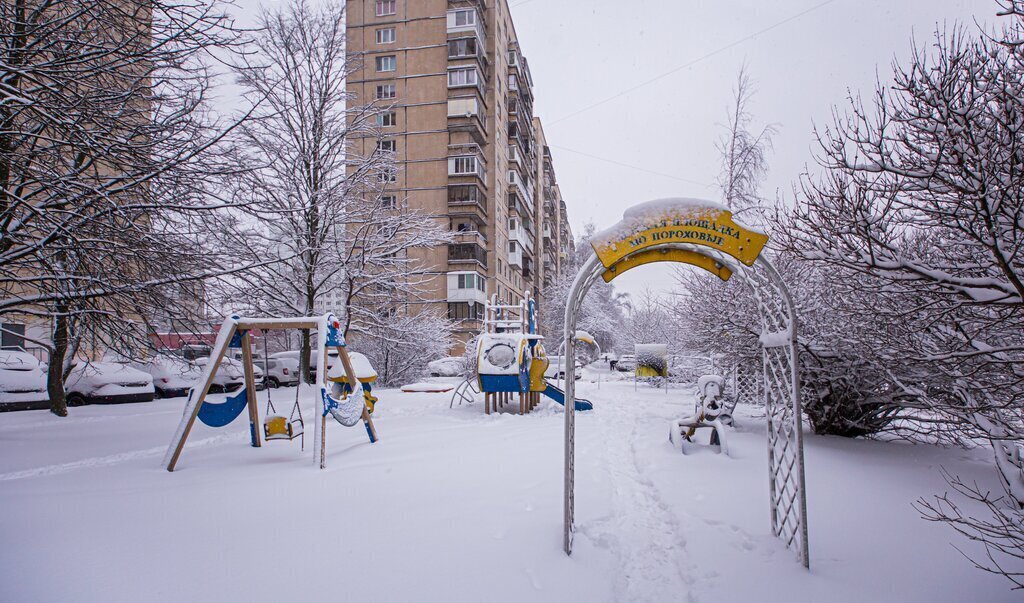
[470, 151]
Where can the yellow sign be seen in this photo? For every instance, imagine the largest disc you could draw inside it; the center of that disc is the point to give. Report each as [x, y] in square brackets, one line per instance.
[706, 226]
[683, 256]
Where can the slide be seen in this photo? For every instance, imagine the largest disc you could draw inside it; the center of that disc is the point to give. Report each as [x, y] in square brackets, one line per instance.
[559, 396]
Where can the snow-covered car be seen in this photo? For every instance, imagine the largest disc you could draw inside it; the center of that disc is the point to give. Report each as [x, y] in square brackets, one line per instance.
[314, 359]
[22, 381]
[172, 377]
[556, 368]
[107, 383]
[626, 362]
[230, 375]
[450, 366]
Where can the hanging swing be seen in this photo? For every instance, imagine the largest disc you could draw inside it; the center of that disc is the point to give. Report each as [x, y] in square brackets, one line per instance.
[279, 427]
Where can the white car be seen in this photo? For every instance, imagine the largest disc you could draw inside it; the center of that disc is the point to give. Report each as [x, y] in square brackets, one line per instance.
[314, 359]
[107, 383]
[22, 381]
[627, 362]
[279, 371]
[556, 368]
[172, 377]
[230, 375]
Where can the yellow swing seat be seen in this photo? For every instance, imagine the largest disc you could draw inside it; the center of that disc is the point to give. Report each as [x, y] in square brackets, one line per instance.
[276, 427]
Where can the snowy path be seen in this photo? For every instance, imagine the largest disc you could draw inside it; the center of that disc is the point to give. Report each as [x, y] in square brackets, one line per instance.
[455, 505]
[641, 530]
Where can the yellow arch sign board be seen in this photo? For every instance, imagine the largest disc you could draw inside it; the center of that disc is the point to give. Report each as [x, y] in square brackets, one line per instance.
[667, 221]
[683, 256]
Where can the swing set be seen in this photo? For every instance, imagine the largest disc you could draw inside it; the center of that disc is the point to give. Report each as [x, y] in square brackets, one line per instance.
[347, 401]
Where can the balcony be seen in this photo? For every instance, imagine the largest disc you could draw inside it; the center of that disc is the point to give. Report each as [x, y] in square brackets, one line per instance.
[515, 255]
[527, 267]
[459, 253]
[514, 155]
[466, 287]
[471, 237]
[521, 237]
[547, 231]
[519, 184]
[466, 166]
[467, 200]
[465, 114]
[466, 20]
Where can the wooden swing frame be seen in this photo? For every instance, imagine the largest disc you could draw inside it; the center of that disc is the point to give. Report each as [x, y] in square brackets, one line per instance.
[236, 330]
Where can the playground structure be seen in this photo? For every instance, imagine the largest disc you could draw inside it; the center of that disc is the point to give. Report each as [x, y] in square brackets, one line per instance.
[344, 393]
[713, 412]
[703, 234]
[511, 359]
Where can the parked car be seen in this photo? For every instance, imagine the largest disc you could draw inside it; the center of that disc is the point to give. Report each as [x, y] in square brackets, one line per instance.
[22, 382]
[229, 377]
[626, 362]
[172, 377]
[556, 368]
[107, 383]
[450, 366]
[314, 359]
[279, 371]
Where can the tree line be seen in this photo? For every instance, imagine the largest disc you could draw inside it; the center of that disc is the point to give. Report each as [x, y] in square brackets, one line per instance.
[130, 204]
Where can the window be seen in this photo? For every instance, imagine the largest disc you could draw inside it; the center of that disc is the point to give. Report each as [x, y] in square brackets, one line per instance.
[512, 224]
[462, 165]
[12, 336]
[386, 35]
[385, 7]
[386, 63]
[463, 76]
[461, 47]
[463, 194]
[388, 175]
[386, 119]
[385, 91]
[389, 201]
[467, 281]
[513, 82]
[465, 311]
[465, 17]
[511, 247]
[386, 146]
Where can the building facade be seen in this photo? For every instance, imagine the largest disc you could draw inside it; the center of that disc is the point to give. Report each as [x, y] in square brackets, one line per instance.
[459, 117]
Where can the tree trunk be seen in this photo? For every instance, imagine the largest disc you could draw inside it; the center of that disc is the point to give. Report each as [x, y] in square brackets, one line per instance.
[55, 371]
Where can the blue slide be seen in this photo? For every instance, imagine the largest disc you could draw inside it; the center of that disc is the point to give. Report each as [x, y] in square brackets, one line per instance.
[559, 396]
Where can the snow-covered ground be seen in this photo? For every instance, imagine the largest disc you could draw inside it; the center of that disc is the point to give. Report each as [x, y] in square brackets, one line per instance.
[456, 505]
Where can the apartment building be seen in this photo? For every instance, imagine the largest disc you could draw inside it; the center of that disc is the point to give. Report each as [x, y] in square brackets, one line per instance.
[460, 119]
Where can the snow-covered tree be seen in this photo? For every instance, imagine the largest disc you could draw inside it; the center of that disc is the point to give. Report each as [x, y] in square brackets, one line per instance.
[106, 156]
[920, 203]
[602, 313]
[317, 199]
[743, 151]
[401, 347]
[647, 320]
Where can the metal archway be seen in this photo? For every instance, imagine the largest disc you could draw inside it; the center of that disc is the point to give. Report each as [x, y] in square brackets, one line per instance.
[781, 394]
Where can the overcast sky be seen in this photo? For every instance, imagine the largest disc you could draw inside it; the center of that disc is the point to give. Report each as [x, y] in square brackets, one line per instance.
[632, 94]
[804, 56]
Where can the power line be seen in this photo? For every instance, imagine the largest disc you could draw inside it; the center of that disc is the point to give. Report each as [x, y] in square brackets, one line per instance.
[694, 61]
[632, 167]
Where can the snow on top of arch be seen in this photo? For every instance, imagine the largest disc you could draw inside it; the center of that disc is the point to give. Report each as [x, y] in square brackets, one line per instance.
[639, 216]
